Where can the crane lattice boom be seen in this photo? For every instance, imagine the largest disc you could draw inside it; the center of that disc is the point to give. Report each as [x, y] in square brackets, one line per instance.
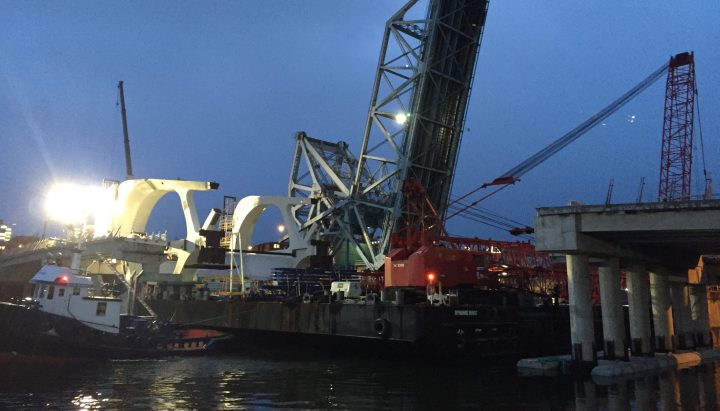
[678, 129]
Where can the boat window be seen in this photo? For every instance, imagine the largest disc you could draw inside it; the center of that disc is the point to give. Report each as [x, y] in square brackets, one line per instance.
[61, 292]
[101, 309]
[76, 290]
[51, 292]
[42, 292]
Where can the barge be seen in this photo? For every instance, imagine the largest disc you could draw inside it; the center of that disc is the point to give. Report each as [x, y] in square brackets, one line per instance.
[492, 329]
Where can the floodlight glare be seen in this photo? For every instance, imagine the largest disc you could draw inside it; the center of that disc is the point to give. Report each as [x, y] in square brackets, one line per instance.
[401, 118]
[74, 204]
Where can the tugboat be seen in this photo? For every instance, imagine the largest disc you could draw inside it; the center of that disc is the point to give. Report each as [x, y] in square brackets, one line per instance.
[74, 315]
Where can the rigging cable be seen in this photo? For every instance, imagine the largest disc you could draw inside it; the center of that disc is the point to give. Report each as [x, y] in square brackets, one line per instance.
[702, 145]
[513, 175]
[489, 218]
[479, 220]
[500, 219]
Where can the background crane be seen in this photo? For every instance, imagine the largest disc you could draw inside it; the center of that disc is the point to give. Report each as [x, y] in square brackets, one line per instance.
[677, 142]
[678, 129]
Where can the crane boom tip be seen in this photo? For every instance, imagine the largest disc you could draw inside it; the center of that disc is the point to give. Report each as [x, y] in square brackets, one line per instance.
[504, 180]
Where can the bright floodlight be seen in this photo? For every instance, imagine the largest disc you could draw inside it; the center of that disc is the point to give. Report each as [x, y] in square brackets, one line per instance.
[281, 228]
[401, 118]
[75, 204]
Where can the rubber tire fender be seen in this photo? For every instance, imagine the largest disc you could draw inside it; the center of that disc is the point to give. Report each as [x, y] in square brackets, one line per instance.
[381, 327]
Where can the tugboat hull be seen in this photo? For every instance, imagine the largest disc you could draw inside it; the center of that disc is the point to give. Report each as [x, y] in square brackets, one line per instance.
[33, 332]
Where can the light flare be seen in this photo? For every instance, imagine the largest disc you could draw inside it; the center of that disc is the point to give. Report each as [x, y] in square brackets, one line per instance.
[401, 118]
[69, 203]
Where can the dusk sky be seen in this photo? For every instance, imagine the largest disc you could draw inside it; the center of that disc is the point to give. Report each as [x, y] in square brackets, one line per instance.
[216, 90]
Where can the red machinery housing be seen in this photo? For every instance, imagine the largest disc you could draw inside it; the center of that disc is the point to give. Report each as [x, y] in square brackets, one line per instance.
[422, 254]
[429, 264]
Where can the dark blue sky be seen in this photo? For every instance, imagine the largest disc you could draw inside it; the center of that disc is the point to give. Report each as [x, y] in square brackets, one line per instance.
[216, 91]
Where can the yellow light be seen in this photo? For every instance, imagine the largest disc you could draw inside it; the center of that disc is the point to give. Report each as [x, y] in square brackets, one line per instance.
[401, 118]
[76, 204]
[281, 228]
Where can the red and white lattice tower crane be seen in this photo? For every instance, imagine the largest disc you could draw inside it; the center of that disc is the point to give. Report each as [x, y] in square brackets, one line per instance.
[677, 143]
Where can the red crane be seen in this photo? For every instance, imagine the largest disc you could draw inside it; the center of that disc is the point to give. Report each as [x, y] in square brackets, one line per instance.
[677, 142]
[513, 175]
[423, 253]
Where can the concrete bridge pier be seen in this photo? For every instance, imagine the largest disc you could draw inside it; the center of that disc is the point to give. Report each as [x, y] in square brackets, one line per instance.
[613, 319]
[582, 336]
[699, 315]
[683, 320]
[638, 301]
[662, 311]
[673, 235]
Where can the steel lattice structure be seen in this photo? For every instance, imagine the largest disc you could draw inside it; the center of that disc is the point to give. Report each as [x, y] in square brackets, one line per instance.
[322, 171]
[678, 128]
[413, 130]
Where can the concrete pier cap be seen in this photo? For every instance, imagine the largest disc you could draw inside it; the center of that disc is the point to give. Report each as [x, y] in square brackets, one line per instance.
[670, 235]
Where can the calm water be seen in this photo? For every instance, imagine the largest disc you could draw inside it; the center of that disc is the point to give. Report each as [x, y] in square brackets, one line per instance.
[294, 381]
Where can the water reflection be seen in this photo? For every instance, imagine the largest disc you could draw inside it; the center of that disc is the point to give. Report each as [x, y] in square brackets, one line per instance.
[617, 398]
[317, 382]
[684, 389]
[301, 382]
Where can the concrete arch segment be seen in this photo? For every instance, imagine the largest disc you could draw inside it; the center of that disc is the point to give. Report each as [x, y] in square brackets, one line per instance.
[245, 218]
[136, 200]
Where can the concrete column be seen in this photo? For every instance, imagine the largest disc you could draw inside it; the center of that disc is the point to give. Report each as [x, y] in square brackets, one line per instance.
[613, 319]
[699, 314]
[682, 317]
[639, 304]
[662, 311]
[582, 335]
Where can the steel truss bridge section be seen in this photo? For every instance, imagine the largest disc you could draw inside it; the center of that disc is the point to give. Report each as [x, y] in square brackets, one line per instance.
[323, 172]
[416, 114]
[413, 130]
